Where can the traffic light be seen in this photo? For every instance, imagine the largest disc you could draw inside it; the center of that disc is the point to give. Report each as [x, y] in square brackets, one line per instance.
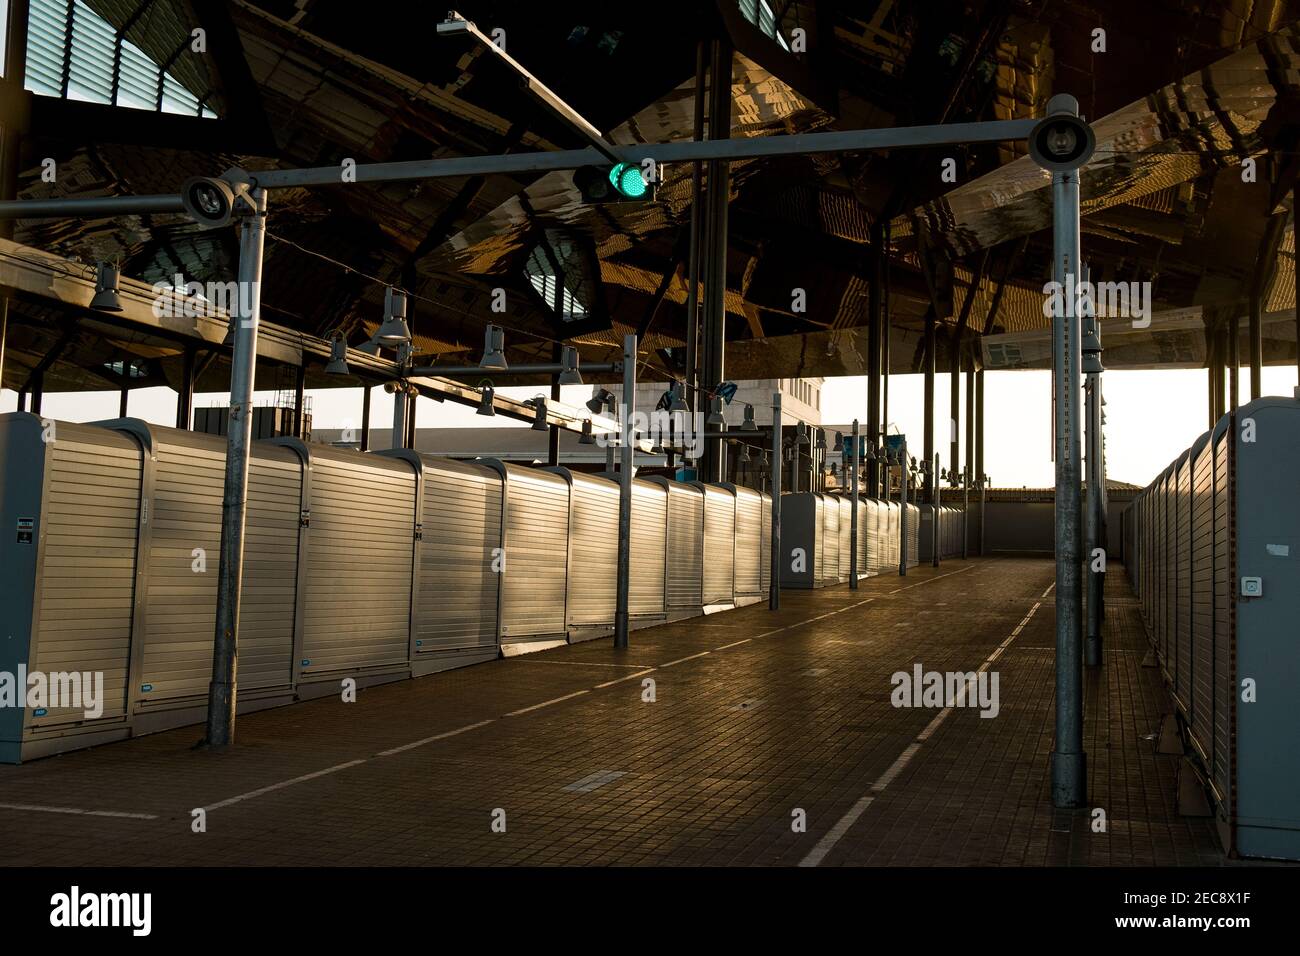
[622, 182]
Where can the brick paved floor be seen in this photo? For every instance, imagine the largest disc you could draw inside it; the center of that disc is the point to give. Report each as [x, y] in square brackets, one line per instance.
[779, 713]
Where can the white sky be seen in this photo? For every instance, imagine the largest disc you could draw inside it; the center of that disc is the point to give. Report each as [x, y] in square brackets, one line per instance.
[1151, 417]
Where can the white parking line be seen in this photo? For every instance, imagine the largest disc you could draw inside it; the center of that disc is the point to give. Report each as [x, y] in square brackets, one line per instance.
[429, 740]
[683, 660]
[619, 680]
[547, 703]
[76, 811]
[845, 823]
[281, 785]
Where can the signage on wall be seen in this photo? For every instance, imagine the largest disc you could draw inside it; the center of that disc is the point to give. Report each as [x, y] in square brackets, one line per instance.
[26, 530]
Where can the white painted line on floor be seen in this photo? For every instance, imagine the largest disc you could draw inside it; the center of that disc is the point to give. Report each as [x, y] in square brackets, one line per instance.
[280, 786]
[733, 644]
[843, 825]
[428, 740]
[683, 660]
[594, 781]
[532, 660]
[619, 680]
[76, 811]
[547, 703]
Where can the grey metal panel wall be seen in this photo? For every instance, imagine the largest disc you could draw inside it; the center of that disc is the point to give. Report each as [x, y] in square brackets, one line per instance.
[1225, 576]
[646, 590]
[359, 562]
[892, 542]
[537, 545]
[846, 536]
[719, 545]
[1170, 584]
[457, 592]
[87, 530]
[685, 545]
[1202, 601]
[1183, 586]
[829, 543]
[1266, 440]
[866, 547]
[749, 542]
[800, 531]
[765, 551]
[593, 550]
[271, 542]
[913, 535]
[181, 585]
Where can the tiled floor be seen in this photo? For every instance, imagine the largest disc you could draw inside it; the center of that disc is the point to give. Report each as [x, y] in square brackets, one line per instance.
[760, 721]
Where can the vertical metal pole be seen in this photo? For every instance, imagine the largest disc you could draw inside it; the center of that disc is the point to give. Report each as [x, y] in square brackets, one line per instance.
[625, 493]
[853, 523]
[875, 320]
[902, 518]
[774, 593]
[715, 272]
[1092, 367]
[4, 332]
[122, 402]
[1068, 761]
[693, 254]
[954, 406]
[931, 344]
[299, 390]
[399, 400]
[234, 503]
[553, 435]
[935, 538]
[1256, 331]
[884, 355]
[965, 515]
[365, 418]
[979, 449]
[185, 396]
[412, 402]
[1234, 358]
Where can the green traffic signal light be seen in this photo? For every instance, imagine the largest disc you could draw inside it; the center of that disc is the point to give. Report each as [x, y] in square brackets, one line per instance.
[627, 180]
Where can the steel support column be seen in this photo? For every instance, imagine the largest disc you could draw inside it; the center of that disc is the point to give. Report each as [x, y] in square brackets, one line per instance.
[853, 520]
[185, 394]
[936, 539]
[123, 401]
[774, 592]
[902, 517]
[695, 242]
[553, 433]
[1096, 514]
[715, 234]
[299, 396]
[625, 492]
[234, 504]
[1068, 760]
[931, 343]
[884, 356]
[365, 418]
[875, 320]
[979, 449]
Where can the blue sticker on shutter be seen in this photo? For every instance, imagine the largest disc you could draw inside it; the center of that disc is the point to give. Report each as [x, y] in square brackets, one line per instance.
[419, 643]
[306, 663]
[145, 688]
[39, 712]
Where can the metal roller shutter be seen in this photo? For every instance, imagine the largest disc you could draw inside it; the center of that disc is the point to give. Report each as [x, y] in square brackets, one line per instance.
[536, 553]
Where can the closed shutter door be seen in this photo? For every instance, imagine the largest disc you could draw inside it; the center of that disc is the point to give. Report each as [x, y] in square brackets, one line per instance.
[1183, 586]
[719, 546]
[649, 538]
[1225, 678]
[357, 607]
[1202, 622]
[180, 613]
[765, 551]
[537, 536]
[458, 583]
[88, 529]
[749, 516]
[685, 542]
[830, 542]
[593, 563]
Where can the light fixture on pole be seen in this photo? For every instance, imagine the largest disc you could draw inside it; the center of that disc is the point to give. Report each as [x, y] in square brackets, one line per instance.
[839, 442]
[715, 412]
[494, 343]
[743, 458]
[394, 331]
[486, 405]
[749, 425]
[338, 364]
[569, 359]
[821, 439]
[602, 398]
[803, 435]
[676, 398]
[539, 420]
[106, 298]
[587, 438]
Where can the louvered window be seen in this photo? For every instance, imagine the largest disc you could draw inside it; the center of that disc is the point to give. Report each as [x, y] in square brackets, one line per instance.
[74, 53]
